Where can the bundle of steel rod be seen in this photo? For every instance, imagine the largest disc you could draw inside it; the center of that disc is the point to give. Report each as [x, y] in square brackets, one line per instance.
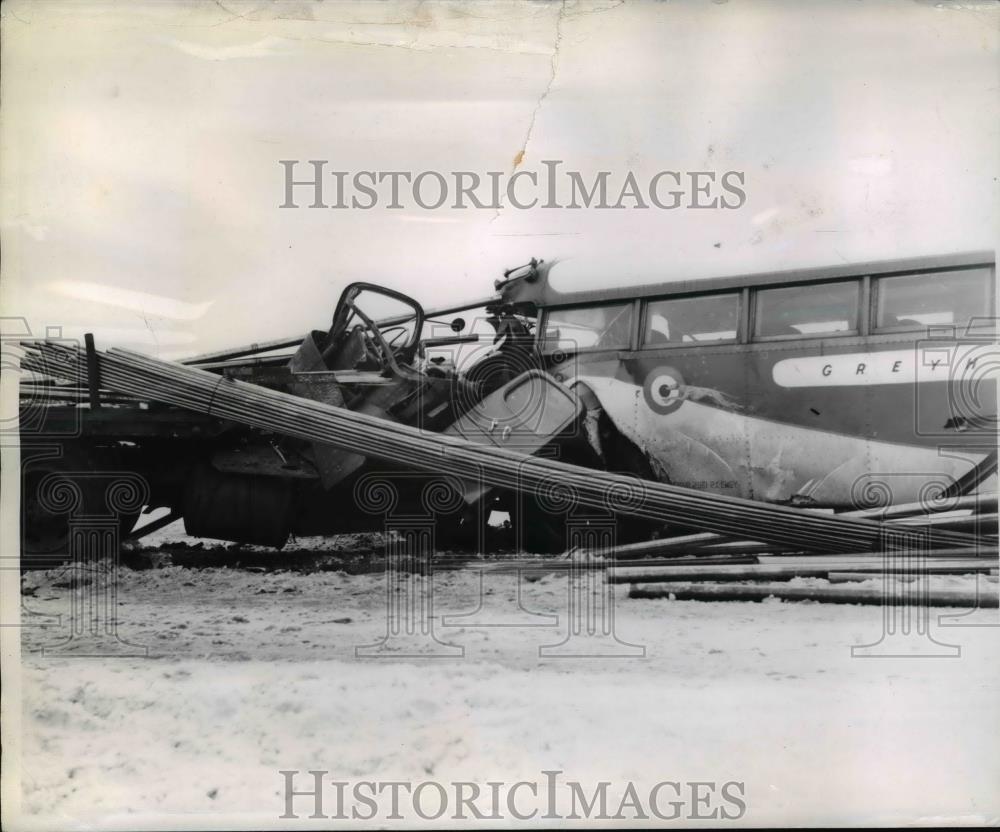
[270, 410]
[707, 543]
[768, 578]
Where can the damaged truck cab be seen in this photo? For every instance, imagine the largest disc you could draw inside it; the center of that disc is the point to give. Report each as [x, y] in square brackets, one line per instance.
[377, 359]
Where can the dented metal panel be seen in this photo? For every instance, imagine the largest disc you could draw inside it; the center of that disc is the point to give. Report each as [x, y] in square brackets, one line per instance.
[524, 415]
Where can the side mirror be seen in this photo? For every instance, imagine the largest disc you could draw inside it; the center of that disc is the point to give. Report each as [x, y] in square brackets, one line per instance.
[458, 325]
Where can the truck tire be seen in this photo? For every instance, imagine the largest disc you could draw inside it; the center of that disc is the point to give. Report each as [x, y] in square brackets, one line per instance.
[45, 534]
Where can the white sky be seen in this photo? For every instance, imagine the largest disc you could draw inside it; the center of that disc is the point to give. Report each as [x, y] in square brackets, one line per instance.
[140, 143]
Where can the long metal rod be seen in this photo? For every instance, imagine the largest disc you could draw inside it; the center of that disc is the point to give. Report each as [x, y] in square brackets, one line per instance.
[708, 542]
[280, 360]
[271, 410]
[153, 526]
[985, 524]
[557, 564]
[873, 596]
[854, 577]
[284, 343]
[975, 477]
[93, 374]
[724, 572]
[240, 352]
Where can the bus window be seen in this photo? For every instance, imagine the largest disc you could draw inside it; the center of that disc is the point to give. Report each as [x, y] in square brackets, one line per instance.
[813, 309]
[589, 327]
[690, 320]
[920, 300]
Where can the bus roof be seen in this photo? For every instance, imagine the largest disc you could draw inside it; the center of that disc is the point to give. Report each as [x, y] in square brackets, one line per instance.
[531, 285]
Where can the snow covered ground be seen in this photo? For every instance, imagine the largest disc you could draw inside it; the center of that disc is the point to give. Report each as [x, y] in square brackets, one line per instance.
[252, 672]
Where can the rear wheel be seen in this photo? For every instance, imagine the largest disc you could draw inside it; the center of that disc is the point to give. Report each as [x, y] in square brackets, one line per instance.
[45, 524]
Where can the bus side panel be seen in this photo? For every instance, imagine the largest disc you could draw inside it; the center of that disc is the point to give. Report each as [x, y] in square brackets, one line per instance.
[814, 419]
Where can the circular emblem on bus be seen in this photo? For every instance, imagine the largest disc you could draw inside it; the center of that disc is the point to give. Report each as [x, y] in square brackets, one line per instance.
[664, 390]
